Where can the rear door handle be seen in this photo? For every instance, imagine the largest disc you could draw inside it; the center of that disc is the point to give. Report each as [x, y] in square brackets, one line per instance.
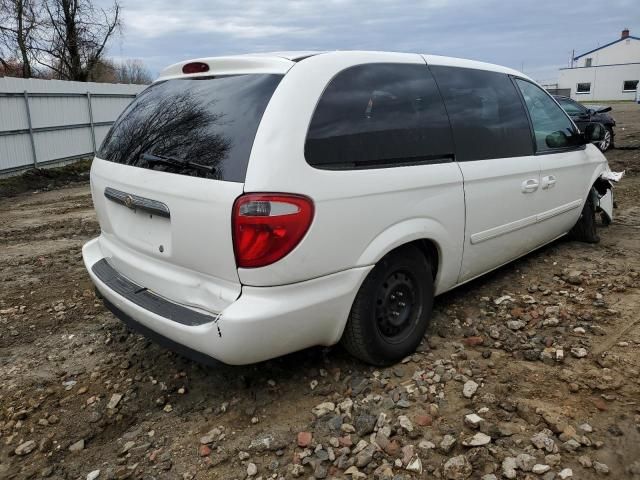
[548, 182]
[530, 186]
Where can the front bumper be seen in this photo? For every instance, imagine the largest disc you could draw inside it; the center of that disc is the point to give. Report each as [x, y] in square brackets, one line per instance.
[263, 323]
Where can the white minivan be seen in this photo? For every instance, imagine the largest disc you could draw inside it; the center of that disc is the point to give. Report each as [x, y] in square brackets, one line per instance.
[255, 205]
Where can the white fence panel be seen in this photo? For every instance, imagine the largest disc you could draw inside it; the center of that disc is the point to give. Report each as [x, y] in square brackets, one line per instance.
[49, 121]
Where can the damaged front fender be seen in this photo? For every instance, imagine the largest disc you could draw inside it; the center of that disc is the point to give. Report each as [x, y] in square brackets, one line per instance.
[603, 188]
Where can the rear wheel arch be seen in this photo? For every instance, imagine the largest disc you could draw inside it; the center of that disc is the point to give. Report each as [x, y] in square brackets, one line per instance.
[426, 234]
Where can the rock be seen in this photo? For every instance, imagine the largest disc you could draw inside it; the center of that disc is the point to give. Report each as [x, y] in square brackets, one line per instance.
[571, 445]
[574, 278]
[543, 441]
[424, 420]
[539, 468]
[114, 401]
[365, 424]
[473, 420]
[478, 440]
[268, 442]
[323, 408]
[426, 445]
[354, 472]
[469, 389]
[204, 450]
[252, 469]
[407, 454]
[525, 462]
[502, 299]
[211, 436]
[25, 448]
[77, 446]
[585, 461]
[365, 457]
[566, 473]
[515, 324]
[127, 446]
[405, 423]
[321, 471]
[579, 352]
[93, 475]
[473, 341]
[601, 468]
[509, 468]
[489, 476]
[304, 439]
[296, 470]
[414, 465]
[586, 428]
[457, 468]
[553, 460]
[447, 443]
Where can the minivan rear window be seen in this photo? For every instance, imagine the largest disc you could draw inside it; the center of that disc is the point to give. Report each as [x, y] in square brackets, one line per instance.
[202, 127]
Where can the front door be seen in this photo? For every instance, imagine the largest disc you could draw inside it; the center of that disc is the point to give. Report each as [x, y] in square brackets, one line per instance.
[567, 167]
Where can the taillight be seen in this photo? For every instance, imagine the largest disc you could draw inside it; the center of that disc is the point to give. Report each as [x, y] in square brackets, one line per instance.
[195, 67]
[267, 227]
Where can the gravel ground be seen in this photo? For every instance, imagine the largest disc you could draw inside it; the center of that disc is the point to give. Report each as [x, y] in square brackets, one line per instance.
[531, 372]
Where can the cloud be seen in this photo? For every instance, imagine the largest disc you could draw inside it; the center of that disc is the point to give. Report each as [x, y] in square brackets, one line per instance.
[538, 36]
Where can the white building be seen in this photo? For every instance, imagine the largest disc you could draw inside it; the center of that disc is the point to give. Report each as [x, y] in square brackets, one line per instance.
[609, 72]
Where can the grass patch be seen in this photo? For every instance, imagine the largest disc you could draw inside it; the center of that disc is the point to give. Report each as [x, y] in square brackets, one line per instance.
[45, 178]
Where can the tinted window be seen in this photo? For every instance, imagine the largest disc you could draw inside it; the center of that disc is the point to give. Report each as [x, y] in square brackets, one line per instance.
[209, 121]
[379, 115]
[583, 88]
[630, 85]
[552, 127]
[571, 107]
[486, 113]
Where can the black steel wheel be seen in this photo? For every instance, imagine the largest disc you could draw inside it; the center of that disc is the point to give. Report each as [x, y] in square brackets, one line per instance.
[391, 312]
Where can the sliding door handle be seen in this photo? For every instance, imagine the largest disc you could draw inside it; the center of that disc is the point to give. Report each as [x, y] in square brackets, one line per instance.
[548, 182]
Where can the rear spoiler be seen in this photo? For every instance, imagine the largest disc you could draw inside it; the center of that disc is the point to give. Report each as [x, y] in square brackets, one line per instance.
[239, 64]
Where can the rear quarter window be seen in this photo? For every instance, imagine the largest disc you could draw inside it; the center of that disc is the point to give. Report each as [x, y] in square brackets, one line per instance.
[208, 121]
[379, 115]
[486, 113]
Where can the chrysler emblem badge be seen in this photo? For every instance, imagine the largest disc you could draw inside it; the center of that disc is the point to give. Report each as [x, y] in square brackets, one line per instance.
[128, 201]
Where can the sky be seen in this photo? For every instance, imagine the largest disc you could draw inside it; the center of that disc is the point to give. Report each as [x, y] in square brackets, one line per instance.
[535, 36]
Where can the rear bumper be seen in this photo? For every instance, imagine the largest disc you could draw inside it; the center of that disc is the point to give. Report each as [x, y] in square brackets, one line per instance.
[263, 323]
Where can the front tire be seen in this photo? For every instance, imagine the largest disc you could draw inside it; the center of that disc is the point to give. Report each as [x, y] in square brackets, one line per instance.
[585, 229]
[392, 309]
[607, 142]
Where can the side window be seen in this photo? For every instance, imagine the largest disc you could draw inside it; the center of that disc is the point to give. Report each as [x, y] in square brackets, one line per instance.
[551, 126]
[379, 115]
[486, 113]
[571, 107]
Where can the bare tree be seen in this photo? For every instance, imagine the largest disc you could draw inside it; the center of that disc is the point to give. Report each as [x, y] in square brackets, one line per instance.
[20, 23]
[133, 71]
[76, 37]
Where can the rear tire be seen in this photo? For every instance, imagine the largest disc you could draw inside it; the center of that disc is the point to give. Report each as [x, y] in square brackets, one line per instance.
[392, 309]
[585, 229]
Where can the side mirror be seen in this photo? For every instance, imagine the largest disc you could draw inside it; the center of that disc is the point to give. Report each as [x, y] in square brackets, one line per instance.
[594, 132]
[557, 139]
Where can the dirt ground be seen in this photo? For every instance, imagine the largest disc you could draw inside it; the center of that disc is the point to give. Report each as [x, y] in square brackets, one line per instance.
[558, 360]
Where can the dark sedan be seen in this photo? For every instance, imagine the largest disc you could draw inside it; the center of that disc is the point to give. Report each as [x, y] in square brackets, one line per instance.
[583, 115]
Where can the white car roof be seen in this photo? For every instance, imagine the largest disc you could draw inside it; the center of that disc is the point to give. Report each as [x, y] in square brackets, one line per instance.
[281, 62]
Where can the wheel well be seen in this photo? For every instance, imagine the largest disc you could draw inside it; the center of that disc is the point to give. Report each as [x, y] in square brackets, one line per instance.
[430, 250]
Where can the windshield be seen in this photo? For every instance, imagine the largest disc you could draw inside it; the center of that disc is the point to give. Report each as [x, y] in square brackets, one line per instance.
[192, 122]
